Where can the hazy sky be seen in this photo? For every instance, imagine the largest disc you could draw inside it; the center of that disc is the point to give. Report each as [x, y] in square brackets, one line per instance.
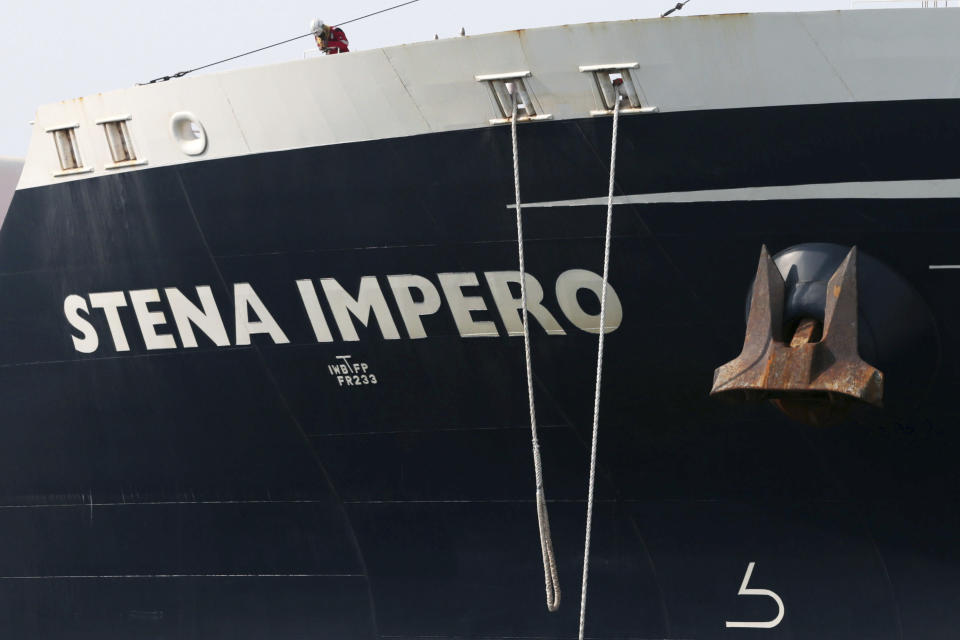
[58, 49]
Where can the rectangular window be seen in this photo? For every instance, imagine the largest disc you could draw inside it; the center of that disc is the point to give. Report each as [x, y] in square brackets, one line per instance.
[69, 154]
[118, 139]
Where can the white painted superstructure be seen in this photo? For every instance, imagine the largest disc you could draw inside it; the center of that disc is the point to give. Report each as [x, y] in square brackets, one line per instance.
[682, 63]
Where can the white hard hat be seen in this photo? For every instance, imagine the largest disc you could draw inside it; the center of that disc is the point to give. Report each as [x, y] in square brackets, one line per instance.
[316, 26]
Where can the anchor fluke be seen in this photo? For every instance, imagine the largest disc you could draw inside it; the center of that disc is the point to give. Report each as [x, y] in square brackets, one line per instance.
[811, 371]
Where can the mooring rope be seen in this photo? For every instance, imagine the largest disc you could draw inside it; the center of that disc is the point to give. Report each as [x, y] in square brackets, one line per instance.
[550, 576]
[596, 393]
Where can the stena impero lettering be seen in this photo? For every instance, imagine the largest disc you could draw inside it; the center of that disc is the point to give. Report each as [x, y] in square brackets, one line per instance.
[169, 318]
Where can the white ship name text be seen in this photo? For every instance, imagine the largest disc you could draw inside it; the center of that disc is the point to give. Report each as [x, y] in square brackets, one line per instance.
[171, 318]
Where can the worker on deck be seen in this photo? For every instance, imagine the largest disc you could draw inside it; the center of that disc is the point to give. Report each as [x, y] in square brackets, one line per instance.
[329, 39]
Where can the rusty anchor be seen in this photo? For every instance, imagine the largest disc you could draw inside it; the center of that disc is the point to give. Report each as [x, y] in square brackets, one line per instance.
[811, 375]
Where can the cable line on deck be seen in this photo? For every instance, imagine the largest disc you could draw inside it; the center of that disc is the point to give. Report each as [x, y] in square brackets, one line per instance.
[180, 74]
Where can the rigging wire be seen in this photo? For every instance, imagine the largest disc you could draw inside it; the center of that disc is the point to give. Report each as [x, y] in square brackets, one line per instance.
[180, 74]
[680, 5]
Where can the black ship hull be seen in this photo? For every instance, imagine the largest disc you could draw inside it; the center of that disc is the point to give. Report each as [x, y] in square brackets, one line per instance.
[258, 490]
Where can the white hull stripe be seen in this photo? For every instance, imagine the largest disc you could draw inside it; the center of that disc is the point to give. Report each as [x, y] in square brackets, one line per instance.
[894, 189]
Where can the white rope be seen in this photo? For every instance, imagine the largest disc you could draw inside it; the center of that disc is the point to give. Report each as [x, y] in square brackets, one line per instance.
[596, 393]
[550, 577]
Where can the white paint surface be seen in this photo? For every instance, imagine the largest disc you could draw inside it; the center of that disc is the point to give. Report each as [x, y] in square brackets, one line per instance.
[59, 49]
[685, 63]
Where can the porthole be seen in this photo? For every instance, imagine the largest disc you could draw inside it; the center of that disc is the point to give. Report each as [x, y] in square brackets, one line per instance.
[189, 133]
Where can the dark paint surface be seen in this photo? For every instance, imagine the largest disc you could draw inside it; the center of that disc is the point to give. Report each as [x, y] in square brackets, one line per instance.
[239, 492]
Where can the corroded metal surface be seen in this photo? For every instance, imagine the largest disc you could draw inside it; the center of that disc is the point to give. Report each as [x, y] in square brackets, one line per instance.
[798, 370]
